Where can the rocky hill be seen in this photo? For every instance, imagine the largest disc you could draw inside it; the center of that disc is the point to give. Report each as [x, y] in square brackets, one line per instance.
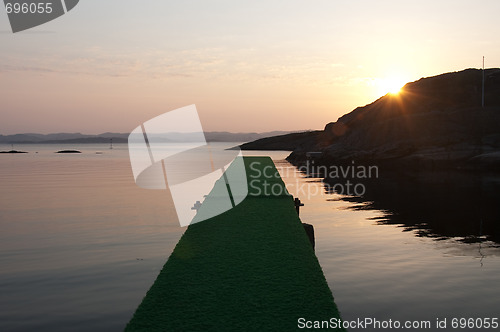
[433, 122]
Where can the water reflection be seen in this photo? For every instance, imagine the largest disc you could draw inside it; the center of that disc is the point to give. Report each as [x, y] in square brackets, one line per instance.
[376, 270]
[440, 205]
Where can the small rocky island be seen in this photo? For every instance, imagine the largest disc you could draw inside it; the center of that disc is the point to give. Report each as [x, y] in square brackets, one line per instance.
[435, 122]
[69, 151]
[13, 151]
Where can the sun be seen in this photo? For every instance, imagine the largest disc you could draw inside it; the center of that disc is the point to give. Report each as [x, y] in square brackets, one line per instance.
[391, 85]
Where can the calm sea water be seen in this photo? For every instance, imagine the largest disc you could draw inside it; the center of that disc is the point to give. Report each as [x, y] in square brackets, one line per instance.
[381, 263]
[81, 244]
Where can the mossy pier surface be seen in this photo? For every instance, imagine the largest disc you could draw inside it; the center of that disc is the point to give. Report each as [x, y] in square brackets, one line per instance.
[251, 268]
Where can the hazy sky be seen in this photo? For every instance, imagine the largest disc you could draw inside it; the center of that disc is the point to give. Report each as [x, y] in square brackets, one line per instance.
[247, 65]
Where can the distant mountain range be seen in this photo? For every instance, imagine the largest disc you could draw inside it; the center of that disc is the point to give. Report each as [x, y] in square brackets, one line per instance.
[78, 138]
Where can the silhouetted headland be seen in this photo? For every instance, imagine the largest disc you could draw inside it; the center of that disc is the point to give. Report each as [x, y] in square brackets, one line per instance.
[287, 142]
[436, 150]
[435, 122]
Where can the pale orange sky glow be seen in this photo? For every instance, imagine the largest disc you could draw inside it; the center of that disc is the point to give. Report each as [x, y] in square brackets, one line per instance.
[109, 66]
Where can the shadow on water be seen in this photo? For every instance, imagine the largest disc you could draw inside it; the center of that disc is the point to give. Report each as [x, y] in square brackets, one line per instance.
[439, 205]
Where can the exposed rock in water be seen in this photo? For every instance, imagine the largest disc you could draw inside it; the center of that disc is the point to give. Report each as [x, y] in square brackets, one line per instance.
[13, 151]
[69, 151]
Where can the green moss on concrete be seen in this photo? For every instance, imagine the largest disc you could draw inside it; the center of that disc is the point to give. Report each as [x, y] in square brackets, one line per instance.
[249, 269]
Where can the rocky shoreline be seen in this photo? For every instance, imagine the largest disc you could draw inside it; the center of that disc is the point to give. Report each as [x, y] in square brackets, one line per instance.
[433, 123]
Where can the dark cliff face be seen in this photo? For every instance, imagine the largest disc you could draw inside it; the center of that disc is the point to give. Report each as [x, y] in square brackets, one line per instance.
[438, 118]
[445, 93]
[435, 121]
